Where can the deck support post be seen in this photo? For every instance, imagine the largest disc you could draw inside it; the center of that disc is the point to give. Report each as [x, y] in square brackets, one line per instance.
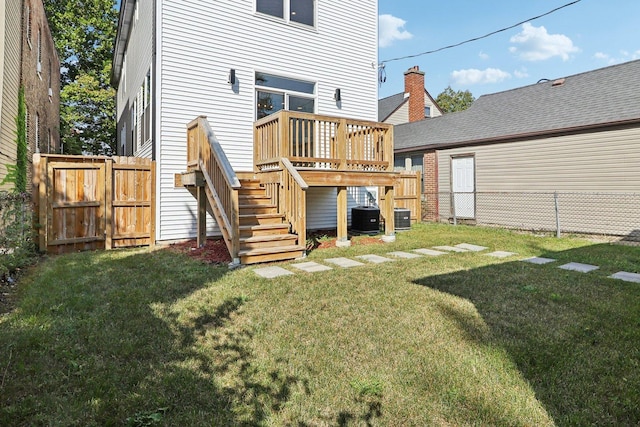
[389, 216]
[342, 237]
[202, 216]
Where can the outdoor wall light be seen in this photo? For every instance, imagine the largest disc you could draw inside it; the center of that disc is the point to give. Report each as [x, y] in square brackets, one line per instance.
[337, 96]
[232, 77]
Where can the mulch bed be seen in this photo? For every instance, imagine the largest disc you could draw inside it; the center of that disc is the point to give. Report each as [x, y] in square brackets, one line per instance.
[215, 251]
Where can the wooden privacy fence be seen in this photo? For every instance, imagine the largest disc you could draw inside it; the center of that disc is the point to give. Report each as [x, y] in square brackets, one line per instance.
[88, 203]
[408, 194]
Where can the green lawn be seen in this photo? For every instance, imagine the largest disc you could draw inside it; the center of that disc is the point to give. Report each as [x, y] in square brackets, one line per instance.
[140, 337]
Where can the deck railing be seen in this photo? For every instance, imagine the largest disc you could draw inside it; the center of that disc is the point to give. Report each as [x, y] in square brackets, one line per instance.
[294, 200]
[204, 153]
[322, 142]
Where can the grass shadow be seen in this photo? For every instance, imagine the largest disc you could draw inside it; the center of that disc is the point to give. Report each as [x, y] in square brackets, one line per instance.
[93, 341]
[575, 337]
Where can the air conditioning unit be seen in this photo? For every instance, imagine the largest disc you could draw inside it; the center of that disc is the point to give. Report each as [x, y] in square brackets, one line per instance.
[402, 219]
[365, 220]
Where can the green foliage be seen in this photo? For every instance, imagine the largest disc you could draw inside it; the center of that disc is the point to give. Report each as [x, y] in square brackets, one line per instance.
[17, 174]
[451, 101]
[144, 419]
[84, 38]
[16, 238]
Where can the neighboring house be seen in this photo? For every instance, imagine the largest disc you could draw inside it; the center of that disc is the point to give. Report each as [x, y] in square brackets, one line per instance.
[236, 62]
[412, 105]
[576, 134]
[28, 58]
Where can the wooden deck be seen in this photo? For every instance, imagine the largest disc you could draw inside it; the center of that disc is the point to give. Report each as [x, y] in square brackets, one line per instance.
[292, 152]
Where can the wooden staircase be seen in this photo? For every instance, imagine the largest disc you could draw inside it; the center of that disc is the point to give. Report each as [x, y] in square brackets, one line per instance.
[264, 233]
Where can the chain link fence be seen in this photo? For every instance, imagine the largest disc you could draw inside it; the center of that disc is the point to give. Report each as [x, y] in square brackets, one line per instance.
[604, 214]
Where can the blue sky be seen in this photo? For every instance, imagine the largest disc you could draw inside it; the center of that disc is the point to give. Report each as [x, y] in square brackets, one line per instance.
[587, 35]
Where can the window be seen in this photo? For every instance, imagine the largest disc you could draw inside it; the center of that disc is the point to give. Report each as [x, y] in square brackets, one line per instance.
[275, 93]
[28, 18]
[37, 123]
[300, 11]
[427, 111]
[146, 109]
[39, 65]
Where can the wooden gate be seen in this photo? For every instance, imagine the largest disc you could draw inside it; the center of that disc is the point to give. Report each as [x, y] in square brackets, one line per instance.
[88, 203]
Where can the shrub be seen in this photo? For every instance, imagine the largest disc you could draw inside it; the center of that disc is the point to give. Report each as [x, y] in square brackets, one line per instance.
[17, 248]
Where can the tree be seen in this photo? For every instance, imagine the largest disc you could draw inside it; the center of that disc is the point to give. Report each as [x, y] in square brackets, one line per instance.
[451, 101]
[84, 34]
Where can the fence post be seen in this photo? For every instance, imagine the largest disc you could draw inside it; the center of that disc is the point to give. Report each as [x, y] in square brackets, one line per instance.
[453, 208]
[555, 202]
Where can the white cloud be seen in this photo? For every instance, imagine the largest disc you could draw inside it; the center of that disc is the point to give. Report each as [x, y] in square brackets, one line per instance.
[391, 29]
[521, 73]
[625, 55]
[483, 55]
[473, 76]
[536, 44]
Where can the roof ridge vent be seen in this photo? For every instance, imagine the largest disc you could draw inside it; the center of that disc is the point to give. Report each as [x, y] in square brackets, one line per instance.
[558, 82]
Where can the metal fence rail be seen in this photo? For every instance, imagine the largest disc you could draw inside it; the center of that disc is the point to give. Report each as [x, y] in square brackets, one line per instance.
[613, 214]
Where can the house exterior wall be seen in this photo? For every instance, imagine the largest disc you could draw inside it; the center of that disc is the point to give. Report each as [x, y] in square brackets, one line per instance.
[10, 83]
[604, 161]
[198, 43]
[400, 116]
[40, 77]
[27, 42]
[136, 65]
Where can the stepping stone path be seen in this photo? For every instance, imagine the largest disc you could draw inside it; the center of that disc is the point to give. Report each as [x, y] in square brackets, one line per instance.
[376, 259]
[627, 277]
[344, 262]
[501, 254]
[313, 267]
[576, 266]
[272, 272]
[406, 255]
[449, 249]
[539, 261]
[470, 247]
[429, 252]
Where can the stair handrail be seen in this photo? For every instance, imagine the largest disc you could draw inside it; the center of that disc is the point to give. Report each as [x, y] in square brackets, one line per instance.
[207, 155]
[294, 200]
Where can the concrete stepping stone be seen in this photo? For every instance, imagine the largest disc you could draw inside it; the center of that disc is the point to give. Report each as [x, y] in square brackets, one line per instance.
[311, 267]
[449, 249]
[576, 266]
[539, 260]
[272, 272]
[627, 277]
[401, 254]
[376, 259]
[501, 254]
[343, 262]
[470, 247]
[429, 252]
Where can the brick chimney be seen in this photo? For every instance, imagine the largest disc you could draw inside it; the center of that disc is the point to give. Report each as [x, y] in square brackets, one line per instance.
[414, 86]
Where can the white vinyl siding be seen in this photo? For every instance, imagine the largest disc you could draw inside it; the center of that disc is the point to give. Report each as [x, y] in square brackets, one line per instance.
[136, 63]
[199, 45]
[10, 81]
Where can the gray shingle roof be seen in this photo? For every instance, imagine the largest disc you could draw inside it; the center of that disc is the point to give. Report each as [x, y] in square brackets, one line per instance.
[592, 98]
[388, 105]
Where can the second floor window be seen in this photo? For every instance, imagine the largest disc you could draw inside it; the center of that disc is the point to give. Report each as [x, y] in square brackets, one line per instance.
[301, 11]
[275, 93]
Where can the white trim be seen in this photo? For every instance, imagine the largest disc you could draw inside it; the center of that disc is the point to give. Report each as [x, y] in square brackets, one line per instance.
[156, 75]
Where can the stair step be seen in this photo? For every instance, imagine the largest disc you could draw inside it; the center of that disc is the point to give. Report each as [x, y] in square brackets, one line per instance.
[261, 219]
[263, 230]
[251, 192]
[258, 209]
[265, 241]
[251, 183]
[280, 253]
[254, 200]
